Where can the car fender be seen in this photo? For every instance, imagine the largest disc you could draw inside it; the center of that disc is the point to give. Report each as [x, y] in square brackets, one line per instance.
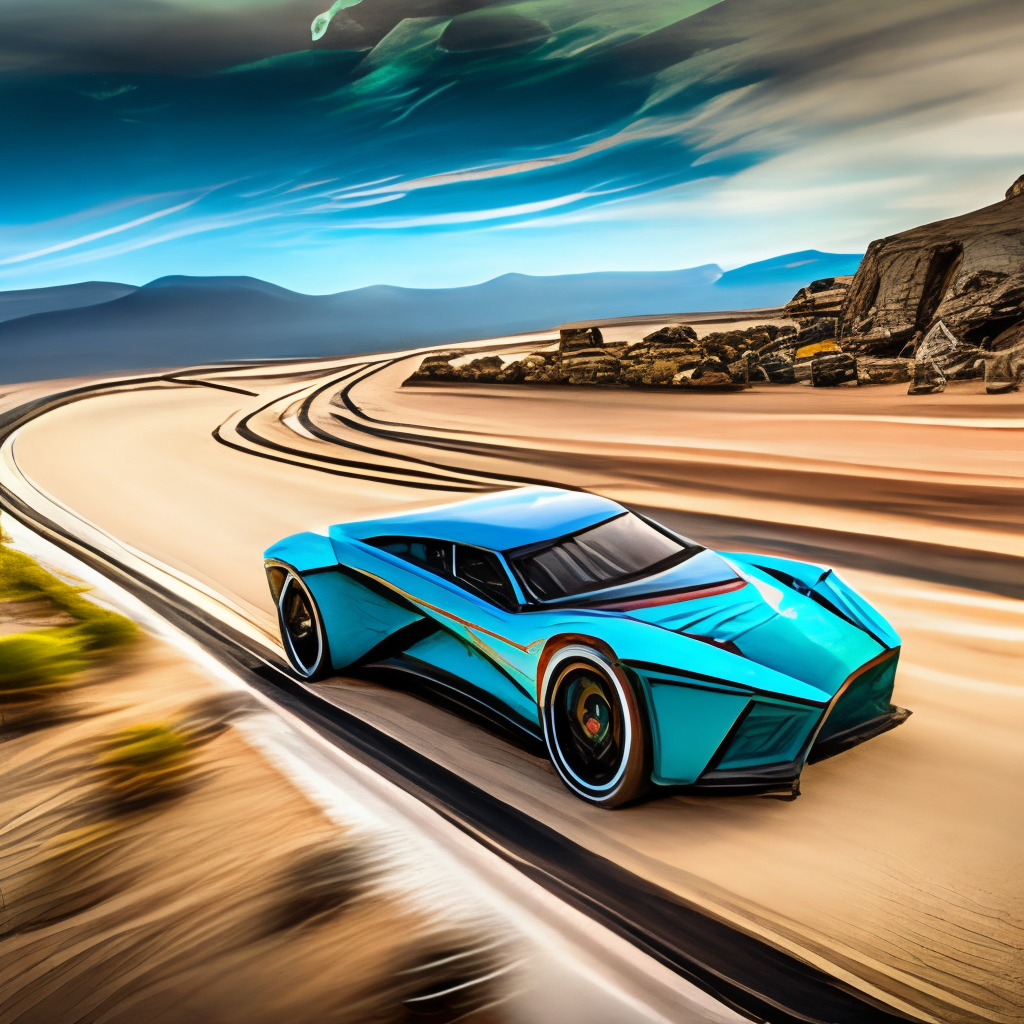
[303, 551]
[826, 585]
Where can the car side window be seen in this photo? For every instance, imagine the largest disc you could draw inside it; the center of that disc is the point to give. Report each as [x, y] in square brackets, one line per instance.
[478, 570]
[481, 571]
[435, 555]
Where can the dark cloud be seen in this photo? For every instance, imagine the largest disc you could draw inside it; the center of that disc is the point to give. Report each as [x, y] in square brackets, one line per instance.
[442, 116]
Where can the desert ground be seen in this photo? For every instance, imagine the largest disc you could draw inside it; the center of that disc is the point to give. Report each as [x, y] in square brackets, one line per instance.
[897, 871]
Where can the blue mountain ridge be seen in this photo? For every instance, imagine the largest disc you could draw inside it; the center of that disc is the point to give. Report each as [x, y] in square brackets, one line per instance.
[180, 320]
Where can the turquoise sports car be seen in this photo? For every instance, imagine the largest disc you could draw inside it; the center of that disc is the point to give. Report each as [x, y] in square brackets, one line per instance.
[638, 657]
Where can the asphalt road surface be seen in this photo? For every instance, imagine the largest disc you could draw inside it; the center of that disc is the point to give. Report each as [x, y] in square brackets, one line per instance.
[898, 870]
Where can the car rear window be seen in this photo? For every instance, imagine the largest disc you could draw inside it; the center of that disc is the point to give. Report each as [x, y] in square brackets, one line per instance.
[616, 551]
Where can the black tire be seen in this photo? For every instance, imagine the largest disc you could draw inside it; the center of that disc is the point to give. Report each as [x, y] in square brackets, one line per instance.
[302, 629]
[595, 729]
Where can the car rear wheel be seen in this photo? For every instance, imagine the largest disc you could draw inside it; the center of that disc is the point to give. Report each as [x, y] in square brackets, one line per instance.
[594, 728]
[302, 628]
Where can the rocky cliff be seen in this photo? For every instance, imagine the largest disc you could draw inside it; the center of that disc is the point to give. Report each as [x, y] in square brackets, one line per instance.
[967, 272]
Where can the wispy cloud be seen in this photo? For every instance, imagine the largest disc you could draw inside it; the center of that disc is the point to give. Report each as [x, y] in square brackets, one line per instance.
[478, 216]
[95, 235]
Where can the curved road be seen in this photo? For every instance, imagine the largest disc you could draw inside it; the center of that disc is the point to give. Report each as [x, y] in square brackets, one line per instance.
[897, 872]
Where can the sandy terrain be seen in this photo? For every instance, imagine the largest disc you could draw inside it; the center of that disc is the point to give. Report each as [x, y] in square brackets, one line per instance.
[193, 907]
[898, 869]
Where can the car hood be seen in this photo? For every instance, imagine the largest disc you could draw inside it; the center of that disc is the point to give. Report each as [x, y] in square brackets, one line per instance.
[769, 624]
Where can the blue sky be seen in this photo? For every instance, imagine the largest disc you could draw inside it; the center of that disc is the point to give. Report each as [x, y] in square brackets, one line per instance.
[444, 142]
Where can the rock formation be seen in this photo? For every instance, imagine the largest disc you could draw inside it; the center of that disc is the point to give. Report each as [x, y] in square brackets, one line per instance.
[823, 298]
[939, 303]
[967, 271]
[672, 356]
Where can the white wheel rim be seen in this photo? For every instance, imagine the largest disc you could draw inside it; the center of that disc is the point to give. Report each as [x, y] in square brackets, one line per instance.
[578, 785]
[293, 655]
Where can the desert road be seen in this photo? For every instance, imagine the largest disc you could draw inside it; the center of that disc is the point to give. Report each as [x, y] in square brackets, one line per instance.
[890, 888]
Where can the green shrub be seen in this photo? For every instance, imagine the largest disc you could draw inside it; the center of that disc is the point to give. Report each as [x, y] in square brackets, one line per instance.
[22, 579]
[37, 662]
[145, 763]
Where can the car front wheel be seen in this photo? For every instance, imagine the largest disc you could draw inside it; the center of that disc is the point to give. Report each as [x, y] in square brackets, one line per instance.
[594, 728]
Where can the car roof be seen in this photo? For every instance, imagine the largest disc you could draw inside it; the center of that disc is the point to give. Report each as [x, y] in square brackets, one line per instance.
[502, 521]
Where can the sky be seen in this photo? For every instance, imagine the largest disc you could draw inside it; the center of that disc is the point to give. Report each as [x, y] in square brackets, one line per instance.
[433, 143]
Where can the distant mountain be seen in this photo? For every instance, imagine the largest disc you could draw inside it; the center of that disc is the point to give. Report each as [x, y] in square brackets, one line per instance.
[27, 301]
[775, 281]
[176, 321]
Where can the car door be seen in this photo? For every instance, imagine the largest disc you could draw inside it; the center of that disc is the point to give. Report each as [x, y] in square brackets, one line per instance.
[466, 590]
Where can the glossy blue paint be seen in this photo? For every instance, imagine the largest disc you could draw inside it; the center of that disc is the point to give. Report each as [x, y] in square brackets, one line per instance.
[780, 643]
[356, 618]
[771, 732]
[499, 522]
[688, 726]
[444, 651]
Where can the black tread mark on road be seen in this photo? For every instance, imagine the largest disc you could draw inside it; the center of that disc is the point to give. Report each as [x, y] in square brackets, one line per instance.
[437, 478]
[761, 982]
[1001, 574]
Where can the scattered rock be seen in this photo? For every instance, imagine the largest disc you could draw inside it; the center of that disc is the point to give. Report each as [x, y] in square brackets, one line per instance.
[514, 373]
[876, 370]
[660, 356]
[672, 356]
[437, 367]
[1005, 372]
[830, 369]
[484, 369]
[822, 298]
[928, 378]
[577, 338]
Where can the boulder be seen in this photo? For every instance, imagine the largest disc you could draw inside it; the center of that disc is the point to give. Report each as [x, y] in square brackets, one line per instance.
[590, 366]
[821, 298]
[957, 361]
[711, 365]
[739, 370]
[879, 370]
[825, 329]
[437, 367]
[484, 369]
[1016, 189]
[673, 335]
[709, 380]
[1005, 371]
[574, 339]
[928, 378]
[830, 369]
[778, 368]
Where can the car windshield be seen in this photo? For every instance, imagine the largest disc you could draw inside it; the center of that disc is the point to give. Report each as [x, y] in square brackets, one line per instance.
[613, 552]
